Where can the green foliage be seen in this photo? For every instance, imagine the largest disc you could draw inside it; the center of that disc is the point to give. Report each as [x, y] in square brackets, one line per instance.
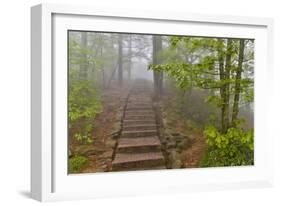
[76, 163]
[84, 101]
[234, 148]
[179, 71]
[205, 66]
[214, 99]
[84, 105]
[200, 69]
[191, 125]
[92, 58]
[174, 41]
[249, 95]
[212, 64]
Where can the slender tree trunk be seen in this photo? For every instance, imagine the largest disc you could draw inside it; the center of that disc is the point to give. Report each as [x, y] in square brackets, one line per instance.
[120, 60]
[160, 84]
[157, 76]
[226, 87]
[154, 61]
[222, 88]
[101, 54]
[159, 60]
[130, 57]
[103, 72]
[238, 82]
[83, 72]
[221, 69]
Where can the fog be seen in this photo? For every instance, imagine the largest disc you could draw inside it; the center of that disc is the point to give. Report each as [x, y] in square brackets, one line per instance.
[190, 70]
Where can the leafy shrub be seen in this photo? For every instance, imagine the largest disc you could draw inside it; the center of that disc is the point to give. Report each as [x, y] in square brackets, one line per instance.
[84, 105]
[76, 163]
[234, 148]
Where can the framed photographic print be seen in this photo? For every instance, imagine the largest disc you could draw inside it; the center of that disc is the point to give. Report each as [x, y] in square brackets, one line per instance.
[136, 102]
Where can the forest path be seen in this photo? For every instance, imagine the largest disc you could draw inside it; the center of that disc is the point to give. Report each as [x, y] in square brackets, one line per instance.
[139, 146]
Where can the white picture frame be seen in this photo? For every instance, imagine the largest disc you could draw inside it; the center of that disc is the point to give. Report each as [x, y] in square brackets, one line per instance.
[49, 179]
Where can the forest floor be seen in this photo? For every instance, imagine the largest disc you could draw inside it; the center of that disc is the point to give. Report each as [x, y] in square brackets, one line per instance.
[183, 143]
[106, 126]
[191, 153]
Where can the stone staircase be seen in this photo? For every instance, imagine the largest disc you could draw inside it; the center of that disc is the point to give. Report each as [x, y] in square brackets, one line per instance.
[139, 147]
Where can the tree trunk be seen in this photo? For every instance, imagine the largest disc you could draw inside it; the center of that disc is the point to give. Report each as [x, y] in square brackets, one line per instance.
[120, 60]
[226, 87]
[103, 72]
[238, 82]
[160, 83]
[222, 88]
[130, 57]
[83, 72]
[157, 76]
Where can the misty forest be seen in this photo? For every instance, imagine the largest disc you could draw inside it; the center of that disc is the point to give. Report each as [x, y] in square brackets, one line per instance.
[142, 102]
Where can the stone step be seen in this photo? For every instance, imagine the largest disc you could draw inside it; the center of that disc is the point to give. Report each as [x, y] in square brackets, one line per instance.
[139, 127]
[124, 161]
[140, 117]
[140, 97]
[143, 89]
[161, 167]
[137, 122]
[139, 145]
[139, 112]
[141, 107]
[140, 92]
[143, 95]
[140, 133]
[138, 103]
[134, 103]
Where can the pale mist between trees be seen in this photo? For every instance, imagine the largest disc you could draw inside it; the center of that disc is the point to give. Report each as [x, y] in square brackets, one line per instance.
[145, 102]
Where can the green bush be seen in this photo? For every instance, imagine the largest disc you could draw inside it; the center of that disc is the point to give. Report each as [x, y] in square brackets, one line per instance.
[84, 104]
[76, 163]
[234, 148]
